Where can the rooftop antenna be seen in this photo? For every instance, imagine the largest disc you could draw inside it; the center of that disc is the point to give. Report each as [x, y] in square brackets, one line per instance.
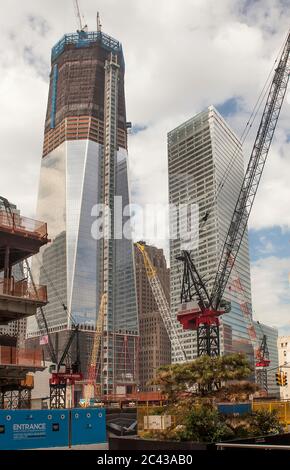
[99, 26]
[82, 25]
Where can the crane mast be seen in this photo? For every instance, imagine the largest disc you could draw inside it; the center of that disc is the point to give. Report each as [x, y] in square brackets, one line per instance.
[95, 359]
[162, 304]
[203, 314]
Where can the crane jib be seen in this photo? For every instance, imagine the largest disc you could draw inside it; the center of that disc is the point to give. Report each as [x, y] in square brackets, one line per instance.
[210, 306]
[253, 174]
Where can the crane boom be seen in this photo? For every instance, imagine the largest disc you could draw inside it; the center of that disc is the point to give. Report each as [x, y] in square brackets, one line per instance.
[78, 13]
[80, 18]
[41, 320]
[253, 175]
[162, 304]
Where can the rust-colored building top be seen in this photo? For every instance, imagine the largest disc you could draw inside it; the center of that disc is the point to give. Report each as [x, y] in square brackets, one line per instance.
[76, 93]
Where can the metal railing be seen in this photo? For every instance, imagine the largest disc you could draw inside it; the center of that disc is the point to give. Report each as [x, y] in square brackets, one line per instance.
[23, 225]
[23, 290]
[222, 445]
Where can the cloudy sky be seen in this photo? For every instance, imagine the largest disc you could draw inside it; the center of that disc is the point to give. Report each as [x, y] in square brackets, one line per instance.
[181, 56]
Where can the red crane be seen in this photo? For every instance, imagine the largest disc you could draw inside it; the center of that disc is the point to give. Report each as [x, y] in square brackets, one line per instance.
[200, 309]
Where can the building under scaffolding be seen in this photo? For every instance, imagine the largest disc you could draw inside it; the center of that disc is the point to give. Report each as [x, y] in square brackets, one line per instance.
[84, 164]
[20, 238]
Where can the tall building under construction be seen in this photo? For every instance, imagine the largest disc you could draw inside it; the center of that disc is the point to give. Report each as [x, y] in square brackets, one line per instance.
[84, 163]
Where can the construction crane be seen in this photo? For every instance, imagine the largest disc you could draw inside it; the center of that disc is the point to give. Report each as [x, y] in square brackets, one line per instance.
[99, 26]
[201, 309]
[95, 359]
[262, 363]
[62, 375]
[82, 26]
[162, 304]
[260, 347]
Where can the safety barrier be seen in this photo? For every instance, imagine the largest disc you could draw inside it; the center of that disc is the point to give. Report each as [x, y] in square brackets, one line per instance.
[10, 355]
[23, 225]
[23, 290]
[34, 429]
[87, 425]
[282, 408]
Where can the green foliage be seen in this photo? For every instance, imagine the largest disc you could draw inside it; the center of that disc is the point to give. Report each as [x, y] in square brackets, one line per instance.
[204, 424]
[265, 422]
[194, 387]
[204, 376]
[174, 433]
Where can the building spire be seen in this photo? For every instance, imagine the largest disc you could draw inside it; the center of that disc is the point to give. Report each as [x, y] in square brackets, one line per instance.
[99, 26]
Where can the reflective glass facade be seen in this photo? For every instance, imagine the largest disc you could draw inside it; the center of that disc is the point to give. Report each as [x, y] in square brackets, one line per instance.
[199, 152]
[70, 186]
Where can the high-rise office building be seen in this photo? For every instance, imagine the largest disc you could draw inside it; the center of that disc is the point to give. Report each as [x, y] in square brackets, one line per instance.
[200, 153]
[155, 347]
[84, 163]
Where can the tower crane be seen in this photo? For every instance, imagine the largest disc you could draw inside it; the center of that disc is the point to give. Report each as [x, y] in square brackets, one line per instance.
[162, 304]
[90, 385]
[262, 363]
[99, 26]
[62, 375]
[260, 347]
[201, 309]
[82, 26]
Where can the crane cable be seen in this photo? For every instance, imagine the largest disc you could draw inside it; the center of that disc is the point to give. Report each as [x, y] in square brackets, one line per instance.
[60, 299]
[244, 135]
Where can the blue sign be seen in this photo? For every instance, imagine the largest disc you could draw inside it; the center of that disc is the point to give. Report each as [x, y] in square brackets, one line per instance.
[88, 426]
[33, 429]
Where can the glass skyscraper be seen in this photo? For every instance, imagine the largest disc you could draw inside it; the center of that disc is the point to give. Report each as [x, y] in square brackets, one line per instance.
[200, 152]
[85, 163]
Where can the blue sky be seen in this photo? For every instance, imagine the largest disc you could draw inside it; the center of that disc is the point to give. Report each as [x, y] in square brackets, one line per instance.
[269, 242]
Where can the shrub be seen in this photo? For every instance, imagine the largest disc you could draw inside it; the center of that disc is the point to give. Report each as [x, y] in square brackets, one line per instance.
[205, 424]
[263, 422]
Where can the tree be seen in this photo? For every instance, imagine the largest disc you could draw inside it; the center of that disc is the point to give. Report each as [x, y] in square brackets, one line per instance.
[220, 376]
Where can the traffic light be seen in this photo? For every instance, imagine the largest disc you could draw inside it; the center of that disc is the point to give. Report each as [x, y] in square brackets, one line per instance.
[284, 379]
[279, 378]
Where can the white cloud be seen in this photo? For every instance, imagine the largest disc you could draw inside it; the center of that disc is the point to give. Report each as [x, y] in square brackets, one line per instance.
[180, 57]
[178, 60]
[271, 291]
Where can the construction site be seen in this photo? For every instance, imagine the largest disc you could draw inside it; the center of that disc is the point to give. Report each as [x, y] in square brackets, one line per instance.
[70, 306]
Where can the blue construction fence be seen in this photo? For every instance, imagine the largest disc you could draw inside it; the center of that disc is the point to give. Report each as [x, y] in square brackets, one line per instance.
[34, 429]
[234, 408]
